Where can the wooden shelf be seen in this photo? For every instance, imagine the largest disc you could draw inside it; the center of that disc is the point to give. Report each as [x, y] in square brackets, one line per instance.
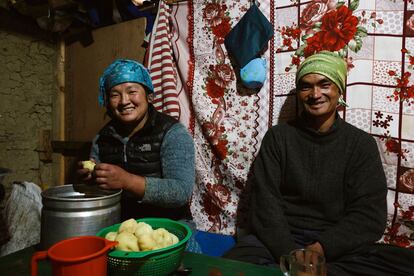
[70, 148]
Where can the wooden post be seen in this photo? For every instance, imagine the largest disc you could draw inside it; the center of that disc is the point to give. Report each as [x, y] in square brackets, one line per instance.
[59, 115]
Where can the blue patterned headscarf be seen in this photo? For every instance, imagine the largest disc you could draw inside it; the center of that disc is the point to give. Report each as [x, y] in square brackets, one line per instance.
[121, 71]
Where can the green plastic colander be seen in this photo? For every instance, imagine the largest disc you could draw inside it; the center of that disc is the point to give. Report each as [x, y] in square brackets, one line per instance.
[155, 262]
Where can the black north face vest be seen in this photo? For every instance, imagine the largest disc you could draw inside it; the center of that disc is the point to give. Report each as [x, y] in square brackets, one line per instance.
[141, 156]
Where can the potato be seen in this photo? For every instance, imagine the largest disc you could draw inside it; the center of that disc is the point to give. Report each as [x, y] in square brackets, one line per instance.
[146, 242]
[129, 226]
[127, 242]
[162, 237]
[139, 236]
[143, 229]
[174, 238]
[111, 236]
[88, 164]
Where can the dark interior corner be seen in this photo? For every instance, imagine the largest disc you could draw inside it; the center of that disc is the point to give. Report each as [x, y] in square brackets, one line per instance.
[70, 20]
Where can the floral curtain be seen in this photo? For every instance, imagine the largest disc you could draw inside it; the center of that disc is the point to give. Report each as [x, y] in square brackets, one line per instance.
[227, 121]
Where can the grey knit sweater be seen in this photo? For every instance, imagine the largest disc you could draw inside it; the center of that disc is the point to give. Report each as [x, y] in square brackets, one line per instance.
[330, 183]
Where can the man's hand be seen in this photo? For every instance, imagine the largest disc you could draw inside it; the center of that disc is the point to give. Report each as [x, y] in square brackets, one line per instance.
[316, 247]
[307, 261]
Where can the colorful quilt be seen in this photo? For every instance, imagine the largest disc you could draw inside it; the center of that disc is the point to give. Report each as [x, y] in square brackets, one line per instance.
[228, 121]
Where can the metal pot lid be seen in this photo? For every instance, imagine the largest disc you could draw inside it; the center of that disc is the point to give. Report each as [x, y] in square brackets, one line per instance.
[71, 192]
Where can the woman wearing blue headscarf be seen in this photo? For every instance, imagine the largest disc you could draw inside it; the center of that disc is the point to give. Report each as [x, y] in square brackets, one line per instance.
[144, 152]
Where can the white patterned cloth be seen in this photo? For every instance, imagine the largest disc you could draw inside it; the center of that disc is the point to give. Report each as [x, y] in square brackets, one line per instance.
[228, 122]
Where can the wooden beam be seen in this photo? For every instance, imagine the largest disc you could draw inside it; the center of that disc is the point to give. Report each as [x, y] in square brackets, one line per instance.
[71, 148]
[58, 119]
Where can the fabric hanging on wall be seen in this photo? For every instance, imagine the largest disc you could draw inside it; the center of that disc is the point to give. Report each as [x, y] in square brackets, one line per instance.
[249, 36]
[228, 124]
[168, 61]
[226, 136]
[161, 65]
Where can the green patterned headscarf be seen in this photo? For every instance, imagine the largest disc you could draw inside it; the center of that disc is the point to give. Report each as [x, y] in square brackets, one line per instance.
[327, 64]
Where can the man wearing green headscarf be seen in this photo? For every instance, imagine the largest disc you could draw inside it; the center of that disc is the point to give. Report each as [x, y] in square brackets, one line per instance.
[317, 183]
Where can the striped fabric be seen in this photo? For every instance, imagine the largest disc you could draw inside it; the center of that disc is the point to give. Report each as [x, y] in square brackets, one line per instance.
[161, 65]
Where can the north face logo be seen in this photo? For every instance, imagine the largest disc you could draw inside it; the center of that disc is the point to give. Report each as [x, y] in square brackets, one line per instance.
[145, 147]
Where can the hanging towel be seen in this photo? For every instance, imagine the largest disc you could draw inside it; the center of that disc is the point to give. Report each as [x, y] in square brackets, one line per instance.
[249, 36]
[161, 65]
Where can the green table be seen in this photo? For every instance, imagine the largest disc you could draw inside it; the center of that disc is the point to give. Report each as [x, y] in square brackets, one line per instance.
[18, 264]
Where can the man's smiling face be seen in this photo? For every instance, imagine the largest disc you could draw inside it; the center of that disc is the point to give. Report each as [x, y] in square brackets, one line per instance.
[318, 94]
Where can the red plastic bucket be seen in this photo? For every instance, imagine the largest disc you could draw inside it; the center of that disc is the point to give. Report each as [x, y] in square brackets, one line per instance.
[77, 256]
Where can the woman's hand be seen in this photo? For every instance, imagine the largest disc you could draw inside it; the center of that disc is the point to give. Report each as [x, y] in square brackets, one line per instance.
[109, 176]
[84, 174]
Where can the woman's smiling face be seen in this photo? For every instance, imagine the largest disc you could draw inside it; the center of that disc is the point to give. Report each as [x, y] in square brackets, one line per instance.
[128, 103]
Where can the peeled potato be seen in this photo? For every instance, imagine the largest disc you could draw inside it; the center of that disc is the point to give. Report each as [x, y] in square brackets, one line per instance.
[88, 164]
[143, 229]
[127, 242]
[111, 236]
[129, 226]
[162, 237]
[139, 236]
[146, 242]
[174, 238]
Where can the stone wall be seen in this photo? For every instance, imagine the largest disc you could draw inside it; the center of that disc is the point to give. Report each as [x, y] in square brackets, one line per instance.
[27, 84]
